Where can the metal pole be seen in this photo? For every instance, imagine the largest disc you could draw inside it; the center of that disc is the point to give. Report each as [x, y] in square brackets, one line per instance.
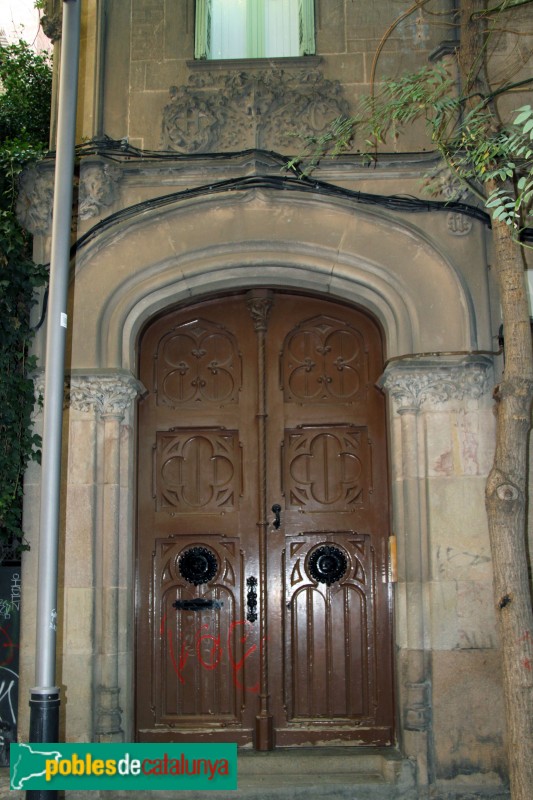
[44, 697]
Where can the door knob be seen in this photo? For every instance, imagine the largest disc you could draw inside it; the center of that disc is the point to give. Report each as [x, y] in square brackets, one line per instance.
[276, 508]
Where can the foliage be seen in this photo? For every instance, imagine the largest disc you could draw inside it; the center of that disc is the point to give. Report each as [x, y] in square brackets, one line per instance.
[461, 128]
[26, 80]
[24, 126]
[516, 208]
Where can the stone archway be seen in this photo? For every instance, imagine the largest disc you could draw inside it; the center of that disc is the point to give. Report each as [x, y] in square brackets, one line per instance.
[132, 271]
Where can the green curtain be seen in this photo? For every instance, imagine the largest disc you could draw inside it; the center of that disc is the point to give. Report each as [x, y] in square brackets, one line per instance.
[255, 28]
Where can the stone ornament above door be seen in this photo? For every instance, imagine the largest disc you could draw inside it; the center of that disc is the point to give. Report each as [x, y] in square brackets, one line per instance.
[235, 110]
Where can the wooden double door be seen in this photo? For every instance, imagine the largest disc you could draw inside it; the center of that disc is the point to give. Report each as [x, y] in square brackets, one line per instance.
[262, 593]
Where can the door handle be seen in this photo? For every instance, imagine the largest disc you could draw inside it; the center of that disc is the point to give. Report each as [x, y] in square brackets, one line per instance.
[276, 508]
[251, 599]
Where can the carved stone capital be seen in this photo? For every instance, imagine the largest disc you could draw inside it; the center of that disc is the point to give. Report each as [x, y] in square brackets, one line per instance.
[262, 109]
[259, 305]
[104, 394]
[416, 383]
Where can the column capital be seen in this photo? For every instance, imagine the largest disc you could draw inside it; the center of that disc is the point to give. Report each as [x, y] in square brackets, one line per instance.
[106, 394]
[414, 383]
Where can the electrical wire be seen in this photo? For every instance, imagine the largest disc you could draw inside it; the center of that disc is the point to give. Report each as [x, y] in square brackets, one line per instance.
[121, 150]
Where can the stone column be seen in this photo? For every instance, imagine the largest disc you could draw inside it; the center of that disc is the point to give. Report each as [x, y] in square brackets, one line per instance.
[109, 397]
[425, 395]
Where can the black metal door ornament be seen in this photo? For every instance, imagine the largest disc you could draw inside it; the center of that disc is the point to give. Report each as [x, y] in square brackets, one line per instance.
[198, 565]
[276, 508]
[251, 599]
[327, 564]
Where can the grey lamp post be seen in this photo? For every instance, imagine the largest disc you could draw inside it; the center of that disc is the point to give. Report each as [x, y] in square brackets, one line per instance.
[44, 697]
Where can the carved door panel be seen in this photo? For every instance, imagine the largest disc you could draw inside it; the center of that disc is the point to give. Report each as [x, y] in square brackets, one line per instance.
[249, 630]
[327, 441]
[196, 651]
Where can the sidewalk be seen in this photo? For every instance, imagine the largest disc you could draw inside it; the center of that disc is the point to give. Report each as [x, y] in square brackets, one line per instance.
[287, 775]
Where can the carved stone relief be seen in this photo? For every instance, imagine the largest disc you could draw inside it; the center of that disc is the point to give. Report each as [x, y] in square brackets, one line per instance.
[413, 386]
[52, 20]
[106, 395]
[458, 224]
[264, 109]
[445, 183]
[98, 187]
[35, 200]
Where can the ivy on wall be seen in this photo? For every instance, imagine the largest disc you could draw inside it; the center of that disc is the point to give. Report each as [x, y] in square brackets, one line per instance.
[25, 92]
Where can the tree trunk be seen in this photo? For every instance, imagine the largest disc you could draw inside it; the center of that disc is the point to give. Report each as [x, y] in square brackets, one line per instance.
[506, 489]
[506, 503]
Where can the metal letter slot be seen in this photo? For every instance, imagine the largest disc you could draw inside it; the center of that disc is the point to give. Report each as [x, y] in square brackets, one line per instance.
[197, 604]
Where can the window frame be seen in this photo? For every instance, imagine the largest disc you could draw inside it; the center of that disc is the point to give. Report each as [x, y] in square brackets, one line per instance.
[202, 31]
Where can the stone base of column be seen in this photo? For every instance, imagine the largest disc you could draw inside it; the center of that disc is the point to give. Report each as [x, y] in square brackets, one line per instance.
[108, 726]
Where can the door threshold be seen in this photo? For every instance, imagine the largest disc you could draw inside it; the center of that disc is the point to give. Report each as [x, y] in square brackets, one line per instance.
[313, 766]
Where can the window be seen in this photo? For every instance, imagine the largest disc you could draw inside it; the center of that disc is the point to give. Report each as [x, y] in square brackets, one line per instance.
[254, 28]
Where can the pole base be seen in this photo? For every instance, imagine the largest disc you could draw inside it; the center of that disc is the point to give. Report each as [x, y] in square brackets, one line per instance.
[44, 727]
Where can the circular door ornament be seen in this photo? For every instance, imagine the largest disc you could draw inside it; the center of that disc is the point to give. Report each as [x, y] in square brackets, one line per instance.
[327, 564]
[198, 565]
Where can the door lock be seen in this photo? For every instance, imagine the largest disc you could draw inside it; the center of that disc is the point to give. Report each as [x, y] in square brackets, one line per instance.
[276, 508]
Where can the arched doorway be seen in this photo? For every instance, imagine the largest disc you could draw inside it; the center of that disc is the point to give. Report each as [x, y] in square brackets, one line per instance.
[263, 601]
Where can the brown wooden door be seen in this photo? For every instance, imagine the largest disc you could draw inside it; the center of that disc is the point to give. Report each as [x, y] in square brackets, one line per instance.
[255, 626]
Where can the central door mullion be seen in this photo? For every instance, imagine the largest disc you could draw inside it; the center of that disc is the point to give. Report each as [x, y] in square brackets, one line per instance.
[259, 302]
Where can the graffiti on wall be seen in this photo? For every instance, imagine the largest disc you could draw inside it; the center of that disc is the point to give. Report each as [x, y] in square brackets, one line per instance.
[9, 657]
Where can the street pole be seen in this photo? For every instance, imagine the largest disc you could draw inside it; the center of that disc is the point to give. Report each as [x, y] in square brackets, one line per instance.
[44, 697]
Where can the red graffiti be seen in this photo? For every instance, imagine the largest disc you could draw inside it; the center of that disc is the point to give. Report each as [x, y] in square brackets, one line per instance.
[238, 665]
[210, 652]
[526, 637]
[527, 663]
[6, 643]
